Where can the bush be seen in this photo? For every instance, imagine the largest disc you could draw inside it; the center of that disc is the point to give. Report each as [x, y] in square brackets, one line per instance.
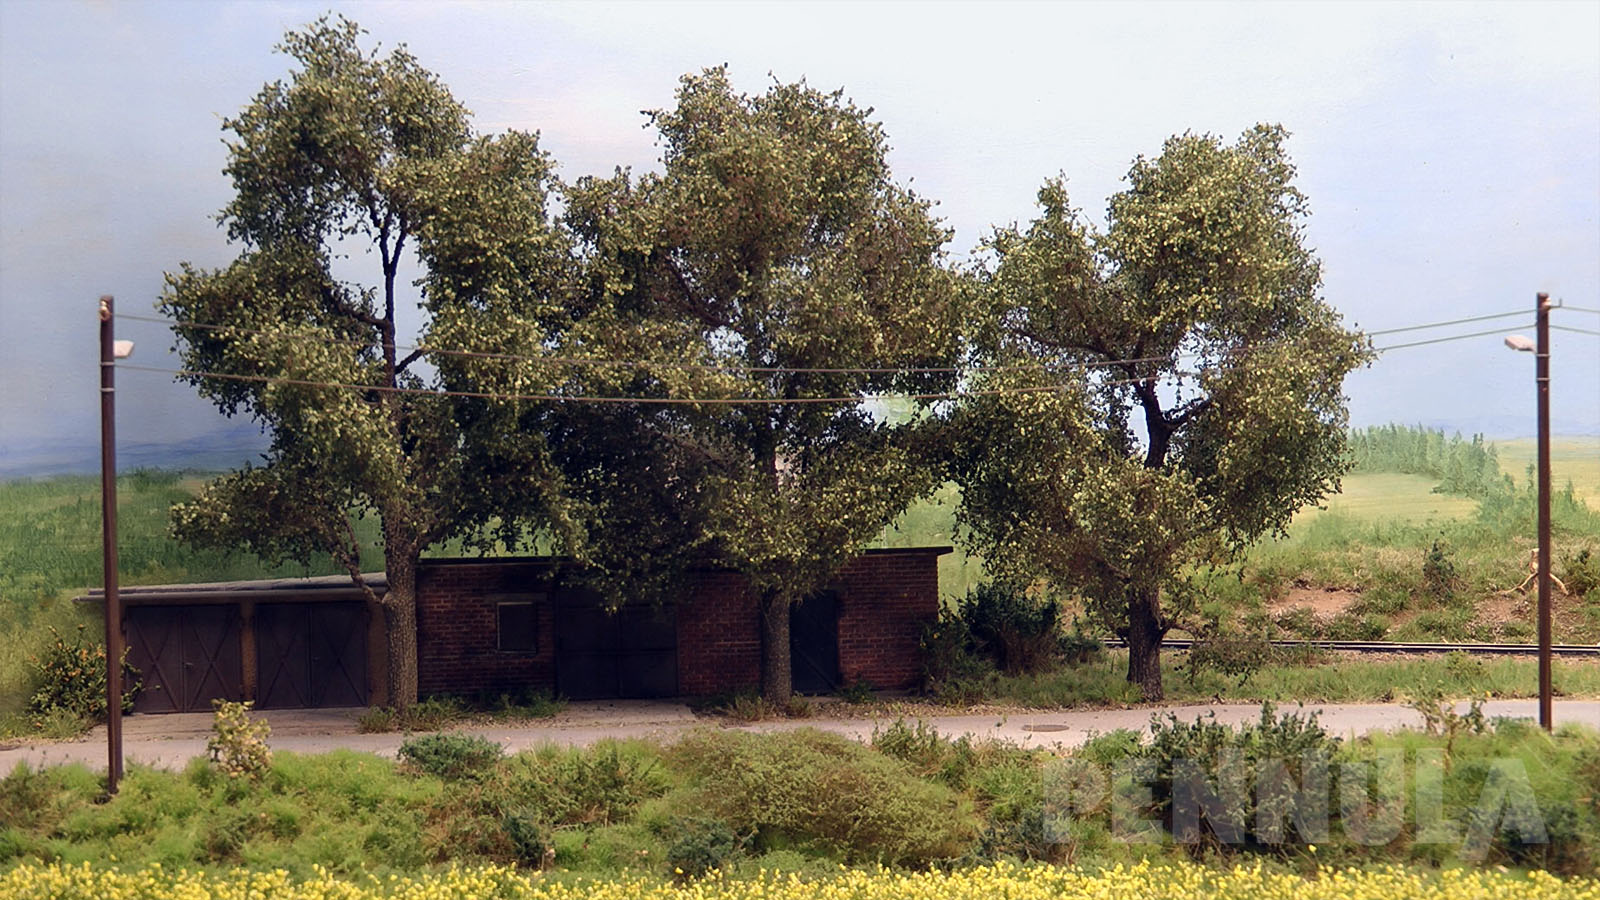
[1021, 634]
[1236, 656]
[1581, 573]
[1439, 571]
[70, 677]
[238, 746]
[451, 756]
[822, 792]
[1232, 760]
[948, 656]
[600, 785]
[701, 846]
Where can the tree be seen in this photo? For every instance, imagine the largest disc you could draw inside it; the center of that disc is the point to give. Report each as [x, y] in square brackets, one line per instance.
[774, 250]
[358, 151]
[1195, 312]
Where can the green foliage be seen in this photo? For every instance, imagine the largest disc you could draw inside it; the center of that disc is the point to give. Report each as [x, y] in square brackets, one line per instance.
[773, 240]
[858, 692]
[1581, 573]
[1439, 571]
[452, 756]
[1054, 484]
[69, 678]
[1017, 631]
[701, 847]
[1470, 468]
[1236, 759]
[599, 785]
[238, 745]
[358, 149]
[822, 792]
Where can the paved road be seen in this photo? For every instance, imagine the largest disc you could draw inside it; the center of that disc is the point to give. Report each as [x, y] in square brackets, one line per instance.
[172, 740]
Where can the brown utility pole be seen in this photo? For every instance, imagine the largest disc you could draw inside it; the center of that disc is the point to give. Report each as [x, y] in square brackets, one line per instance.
[108, 543]
[1542, 378]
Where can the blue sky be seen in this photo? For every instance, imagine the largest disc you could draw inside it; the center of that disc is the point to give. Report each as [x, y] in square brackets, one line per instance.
[1451, 153]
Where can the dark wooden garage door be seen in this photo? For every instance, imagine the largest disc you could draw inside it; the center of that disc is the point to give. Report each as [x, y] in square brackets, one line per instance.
[632, 652]
[814, 644]
[311, 655]
[186, 655]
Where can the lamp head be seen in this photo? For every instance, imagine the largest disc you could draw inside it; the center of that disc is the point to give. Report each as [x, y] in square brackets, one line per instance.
[1520, 343]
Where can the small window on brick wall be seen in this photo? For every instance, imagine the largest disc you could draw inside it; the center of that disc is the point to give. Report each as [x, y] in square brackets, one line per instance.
[518, 625]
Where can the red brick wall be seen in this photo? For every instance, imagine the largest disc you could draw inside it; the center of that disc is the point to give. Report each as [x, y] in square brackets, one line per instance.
[885, 599]
[457, 634]
[719, 636]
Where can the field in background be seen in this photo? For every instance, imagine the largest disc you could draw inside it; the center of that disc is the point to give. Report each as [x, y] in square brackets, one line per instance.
[1574, 459]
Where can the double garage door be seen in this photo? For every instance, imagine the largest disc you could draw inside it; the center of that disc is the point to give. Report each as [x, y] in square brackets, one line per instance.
[305, 655]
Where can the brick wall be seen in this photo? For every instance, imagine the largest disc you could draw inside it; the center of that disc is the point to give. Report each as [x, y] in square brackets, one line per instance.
[719, 636]
[885, 599]
[457, 632]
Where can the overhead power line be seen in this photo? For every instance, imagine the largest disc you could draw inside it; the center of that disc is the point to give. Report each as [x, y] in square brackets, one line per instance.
[1575, 330]
[665, 364]
[584, 398]
[1582, 309]
[1504, 315]
[1440, 340]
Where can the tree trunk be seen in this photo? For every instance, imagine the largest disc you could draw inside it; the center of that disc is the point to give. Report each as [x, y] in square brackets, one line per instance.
[1145, 631]
[777, 681]
[400, 621]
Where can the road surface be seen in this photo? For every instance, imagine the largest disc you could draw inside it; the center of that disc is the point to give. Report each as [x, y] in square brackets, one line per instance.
[170, 741]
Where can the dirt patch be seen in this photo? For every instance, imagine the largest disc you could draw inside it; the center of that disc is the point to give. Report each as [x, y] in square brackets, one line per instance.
[1324, 603]
[1505, 606]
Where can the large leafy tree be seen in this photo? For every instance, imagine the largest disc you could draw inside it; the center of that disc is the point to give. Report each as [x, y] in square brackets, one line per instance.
[774, 250]
[356, 167]
[1193, 383]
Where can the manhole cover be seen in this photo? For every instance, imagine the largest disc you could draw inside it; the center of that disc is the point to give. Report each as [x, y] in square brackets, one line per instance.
[1044, 728]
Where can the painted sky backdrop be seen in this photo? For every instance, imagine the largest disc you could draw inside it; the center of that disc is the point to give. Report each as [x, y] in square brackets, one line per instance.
[1451, 153]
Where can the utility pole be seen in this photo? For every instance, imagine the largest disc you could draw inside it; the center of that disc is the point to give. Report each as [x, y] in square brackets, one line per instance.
[110, 350]
[1542, 378]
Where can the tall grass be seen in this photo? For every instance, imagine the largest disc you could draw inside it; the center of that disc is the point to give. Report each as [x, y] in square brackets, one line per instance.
[50, 551]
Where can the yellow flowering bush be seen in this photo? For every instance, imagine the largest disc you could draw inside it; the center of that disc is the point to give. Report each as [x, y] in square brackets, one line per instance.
[1015, 882]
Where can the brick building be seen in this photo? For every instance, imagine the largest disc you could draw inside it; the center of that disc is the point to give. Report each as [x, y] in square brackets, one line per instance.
[491, 625]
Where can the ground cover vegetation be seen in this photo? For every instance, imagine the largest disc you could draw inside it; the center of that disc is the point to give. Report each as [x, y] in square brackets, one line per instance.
[804, 802]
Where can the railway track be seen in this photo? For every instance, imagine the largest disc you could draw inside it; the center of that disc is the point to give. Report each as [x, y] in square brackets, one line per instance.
[1399, 647]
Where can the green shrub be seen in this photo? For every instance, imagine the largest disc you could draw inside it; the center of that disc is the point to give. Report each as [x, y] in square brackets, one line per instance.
[531, 839]
[701, 846]
[1232, 760]
[238, 746]
[1581, 573]
[1018, 632]
[70, 677]
[948, 657]
[1439, 570]
[823, 792]
[857, 692]
[565, 787]
[451, 756]
[1235, 655]
[377, 720]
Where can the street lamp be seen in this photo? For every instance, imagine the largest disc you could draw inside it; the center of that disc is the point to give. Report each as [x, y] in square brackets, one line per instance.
[111, 350]
[1541, 351]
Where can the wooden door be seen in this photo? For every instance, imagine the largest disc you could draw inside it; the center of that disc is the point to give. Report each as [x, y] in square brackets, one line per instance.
[814, 644]
[604, 654]
[311, 655]
[187, 656]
